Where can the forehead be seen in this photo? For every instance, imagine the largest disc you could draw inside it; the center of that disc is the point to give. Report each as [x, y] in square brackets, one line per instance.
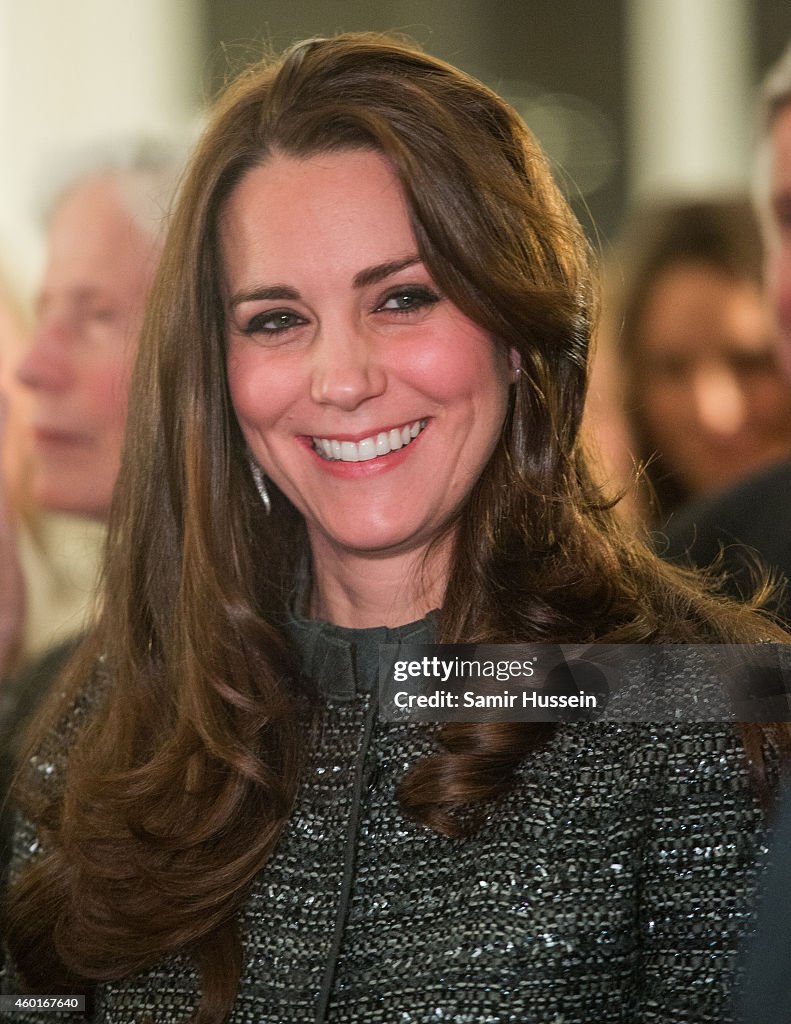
[94, 241]
[699, 308]
[345, 209]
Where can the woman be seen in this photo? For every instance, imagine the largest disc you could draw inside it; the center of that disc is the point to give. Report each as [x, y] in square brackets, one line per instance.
[104, 236]
[356, 403]
[707, 399]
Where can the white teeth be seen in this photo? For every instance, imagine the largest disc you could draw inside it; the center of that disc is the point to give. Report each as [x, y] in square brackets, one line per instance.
[349, 452]
[369, 447]
[366, 449]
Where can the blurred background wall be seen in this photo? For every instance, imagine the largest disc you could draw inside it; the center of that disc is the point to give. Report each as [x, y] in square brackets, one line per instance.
[630, 97]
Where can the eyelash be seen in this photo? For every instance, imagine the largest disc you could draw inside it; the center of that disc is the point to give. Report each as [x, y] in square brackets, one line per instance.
[420, 297]
[257, 323]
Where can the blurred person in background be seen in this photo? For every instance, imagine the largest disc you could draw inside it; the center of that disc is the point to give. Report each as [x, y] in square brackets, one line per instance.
[757, 514]
[57, 554]
[747, 525]
[706, 400]
[104, 243]
[105, 229]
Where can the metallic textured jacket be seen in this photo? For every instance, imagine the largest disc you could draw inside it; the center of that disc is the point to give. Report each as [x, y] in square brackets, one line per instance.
[613, 884]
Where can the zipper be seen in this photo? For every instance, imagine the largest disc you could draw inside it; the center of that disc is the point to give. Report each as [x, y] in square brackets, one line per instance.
[364, 779]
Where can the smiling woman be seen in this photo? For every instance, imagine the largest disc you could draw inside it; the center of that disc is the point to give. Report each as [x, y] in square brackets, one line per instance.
[355, 382]
[373, 313]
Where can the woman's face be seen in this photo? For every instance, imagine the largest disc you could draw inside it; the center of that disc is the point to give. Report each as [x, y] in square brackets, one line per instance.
[714, 400]
[76, 371]
[368, 397]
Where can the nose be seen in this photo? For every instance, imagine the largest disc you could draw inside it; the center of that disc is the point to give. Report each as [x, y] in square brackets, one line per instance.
[719, 402]
[346, 370]
[45, 366]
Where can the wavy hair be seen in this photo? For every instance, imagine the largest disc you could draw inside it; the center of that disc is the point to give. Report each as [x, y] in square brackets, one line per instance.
[178, 789]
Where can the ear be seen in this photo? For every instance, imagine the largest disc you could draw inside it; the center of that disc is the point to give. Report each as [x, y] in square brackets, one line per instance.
[515, 362]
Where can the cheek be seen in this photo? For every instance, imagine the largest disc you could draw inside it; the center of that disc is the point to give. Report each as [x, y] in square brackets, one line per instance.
[667, 423]
[778, 276]
[464, 364]
[107, 390]
[783, 302]
[662, 403]
[239, 387]
[771, 402]
[261, 392]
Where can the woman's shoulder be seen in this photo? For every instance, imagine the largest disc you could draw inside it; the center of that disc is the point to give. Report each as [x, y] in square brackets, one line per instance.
[57, 728]
[22, 694]
[625, 743]
[694, 757]
[42, 766]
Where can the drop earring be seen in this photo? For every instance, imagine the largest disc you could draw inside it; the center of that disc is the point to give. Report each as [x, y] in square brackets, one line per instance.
[516, 365]
[260, 485]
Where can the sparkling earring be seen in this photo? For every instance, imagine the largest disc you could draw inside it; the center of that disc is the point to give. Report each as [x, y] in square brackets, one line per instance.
[258, 478]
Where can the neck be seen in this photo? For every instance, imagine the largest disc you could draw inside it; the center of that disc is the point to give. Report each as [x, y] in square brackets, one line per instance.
[358, 591]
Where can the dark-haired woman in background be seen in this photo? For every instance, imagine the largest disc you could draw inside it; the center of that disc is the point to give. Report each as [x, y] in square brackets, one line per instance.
[355, 420]
[705, 396]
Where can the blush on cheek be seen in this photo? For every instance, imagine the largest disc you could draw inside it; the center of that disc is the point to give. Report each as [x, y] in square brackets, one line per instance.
[250, 378]
[459, 366]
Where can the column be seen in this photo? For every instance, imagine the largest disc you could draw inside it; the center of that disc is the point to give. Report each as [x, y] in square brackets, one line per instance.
[689, 93]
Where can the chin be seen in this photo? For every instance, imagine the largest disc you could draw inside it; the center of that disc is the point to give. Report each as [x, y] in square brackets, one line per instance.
[68, 500]
[372, 538]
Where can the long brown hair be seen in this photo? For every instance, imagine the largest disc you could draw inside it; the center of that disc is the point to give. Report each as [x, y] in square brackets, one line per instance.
[720, 235]
[177, 792]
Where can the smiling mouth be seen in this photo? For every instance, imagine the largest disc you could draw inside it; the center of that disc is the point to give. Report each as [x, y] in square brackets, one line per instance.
[368, 448]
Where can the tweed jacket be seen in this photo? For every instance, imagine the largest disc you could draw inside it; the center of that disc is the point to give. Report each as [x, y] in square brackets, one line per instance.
[614, 882]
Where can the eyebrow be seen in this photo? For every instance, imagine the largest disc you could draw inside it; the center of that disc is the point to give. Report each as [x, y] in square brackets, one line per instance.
[372, 275]
[369, 276]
